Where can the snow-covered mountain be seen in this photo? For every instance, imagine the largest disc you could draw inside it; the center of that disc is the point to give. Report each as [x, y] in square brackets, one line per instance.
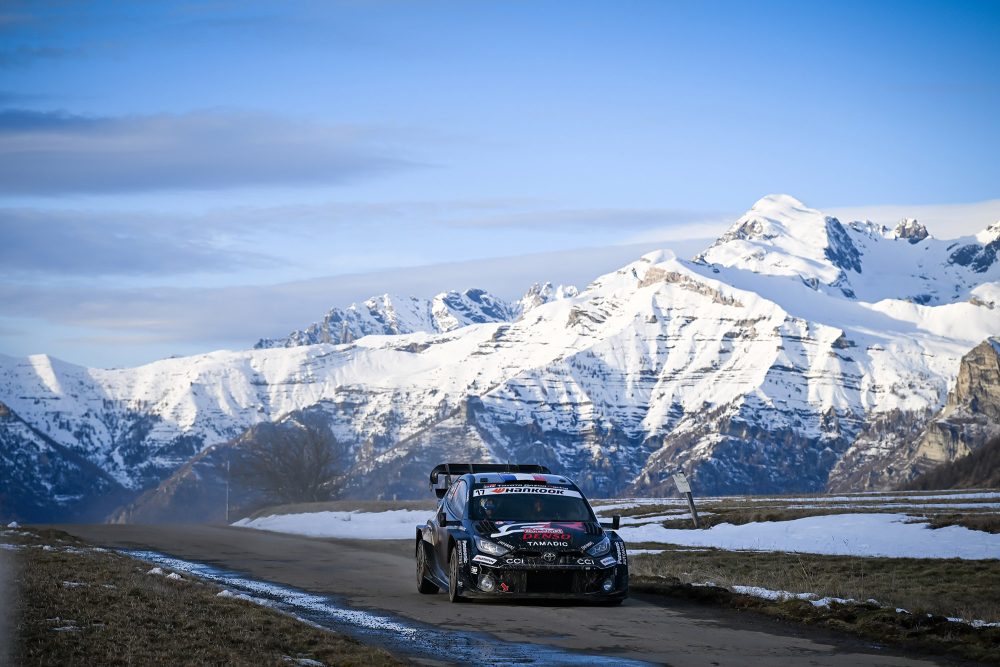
[861, 261]
[763, 365]
[387, 315]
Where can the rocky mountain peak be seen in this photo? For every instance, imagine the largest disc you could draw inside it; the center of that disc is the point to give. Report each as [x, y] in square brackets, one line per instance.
[909, 229]
[542, 293]
[781, 236]
[389, 315]
[989, 235]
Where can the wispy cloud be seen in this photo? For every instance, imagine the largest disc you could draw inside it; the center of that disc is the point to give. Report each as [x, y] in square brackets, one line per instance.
[93, 243]
[55, 152]
[82, 243]
[588, 217]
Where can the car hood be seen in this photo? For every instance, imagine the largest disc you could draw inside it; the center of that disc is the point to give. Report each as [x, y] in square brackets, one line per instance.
[535, 535]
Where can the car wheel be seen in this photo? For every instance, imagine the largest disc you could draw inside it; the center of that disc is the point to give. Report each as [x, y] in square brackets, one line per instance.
[453, 594]
[423, 585]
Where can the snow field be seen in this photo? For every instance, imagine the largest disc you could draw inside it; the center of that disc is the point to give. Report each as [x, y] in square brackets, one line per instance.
[894, 535]
[389, 525]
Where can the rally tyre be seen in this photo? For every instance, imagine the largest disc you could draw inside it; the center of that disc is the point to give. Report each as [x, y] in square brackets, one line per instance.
[453, 594]
[423, 585]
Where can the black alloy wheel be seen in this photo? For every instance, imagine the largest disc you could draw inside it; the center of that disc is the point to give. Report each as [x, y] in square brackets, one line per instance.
[453, 594]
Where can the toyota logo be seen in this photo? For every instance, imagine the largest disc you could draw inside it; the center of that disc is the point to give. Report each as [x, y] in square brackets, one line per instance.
[549, 556]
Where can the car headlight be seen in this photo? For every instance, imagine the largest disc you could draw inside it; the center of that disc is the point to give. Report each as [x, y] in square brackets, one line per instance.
[488, 547]
[601, 548]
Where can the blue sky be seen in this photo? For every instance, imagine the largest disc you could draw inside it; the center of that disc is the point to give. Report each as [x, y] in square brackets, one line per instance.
[178, 177]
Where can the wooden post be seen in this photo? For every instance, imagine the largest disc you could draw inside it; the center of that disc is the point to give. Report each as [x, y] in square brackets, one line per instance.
[685, 487]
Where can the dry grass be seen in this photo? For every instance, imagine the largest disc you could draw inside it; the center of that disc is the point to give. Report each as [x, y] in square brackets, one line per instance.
[987, 522]
[942, 588]
[78, 606]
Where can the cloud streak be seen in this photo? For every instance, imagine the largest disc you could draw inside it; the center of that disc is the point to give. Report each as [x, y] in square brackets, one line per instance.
[132, 325]
[81, 243]
[588, 217]
[41, 242]
[49, 153]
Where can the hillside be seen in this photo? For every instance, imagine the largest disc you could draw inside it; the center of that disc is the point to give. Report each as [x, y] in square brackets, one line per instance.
[978, 470]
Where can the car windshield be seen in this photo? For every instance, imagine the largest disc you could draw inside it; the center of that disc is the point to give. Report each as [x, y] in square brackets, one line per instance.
[530, 507]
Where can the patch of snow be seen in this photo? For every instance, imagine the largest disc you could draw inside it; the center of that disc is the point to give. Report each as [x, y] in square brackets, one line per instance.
[879, 535]
[306, 662]
[768, 594]
[639, 552]
[174, 576]
[156, 570]
[827, 601]
[225, 593]
[73, 584]
[390, 525]
[13, 524]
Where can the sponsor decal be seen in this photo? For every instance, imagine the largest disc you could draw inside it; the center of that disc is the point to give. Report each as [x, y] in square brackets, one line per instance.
[504, 587]
[546, 535]
[505, 544]
[545, 529]
[474, 570]
[546, 543]
[622, 557]
[549, 556]
[584, 561]
[543, 490]
[587, 545]
[607, 560]
[463, 552]
[479, 558]
[514, 561]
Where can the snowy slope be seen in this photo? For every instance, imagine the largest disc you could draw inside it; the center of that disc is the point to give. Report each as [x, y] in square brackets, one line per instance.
[753, 368]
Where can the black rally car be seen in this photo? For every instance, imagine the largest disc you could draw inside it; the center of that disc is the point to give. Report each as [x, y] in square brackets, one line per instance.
[517, 531]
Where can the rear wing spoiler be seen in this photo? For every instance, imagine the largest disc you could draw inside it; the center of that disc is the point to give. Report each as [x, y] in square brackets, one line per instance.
[443, 472]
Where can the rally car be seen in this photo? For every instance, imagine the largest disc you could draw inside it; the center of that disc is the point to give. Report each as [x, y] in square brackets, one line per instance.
[517, 531]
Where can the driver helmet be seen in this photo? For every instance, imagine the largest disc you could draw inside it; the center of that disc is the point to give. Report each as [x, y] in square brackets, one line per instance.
[489, 505]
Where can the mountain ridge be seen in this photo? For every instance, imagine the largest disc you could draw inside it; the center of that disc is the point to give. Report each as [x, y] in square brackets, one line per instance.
[753, 372]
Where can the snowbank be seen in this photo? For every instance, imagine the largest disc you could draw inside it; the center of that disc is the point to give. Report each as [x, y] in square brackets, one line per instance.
[390, 525]
[886, 535]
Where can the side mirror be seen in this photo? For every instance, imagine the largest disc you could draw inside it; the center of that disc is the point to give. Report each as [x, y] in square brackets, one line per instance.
[613, 524]
[442, 519]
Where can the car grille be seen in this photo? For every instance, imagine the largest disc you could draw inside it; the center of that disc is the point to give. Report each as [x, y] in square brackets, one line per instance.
[551, 581]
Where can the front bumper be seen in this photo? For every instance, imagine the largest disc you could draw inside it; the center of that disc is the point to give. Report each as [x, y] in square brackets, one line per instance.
[551, 582]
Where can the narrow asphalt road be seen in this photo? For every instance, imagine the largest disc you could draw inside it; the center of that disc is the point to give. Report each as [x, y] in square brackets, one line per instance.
[379, 575]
